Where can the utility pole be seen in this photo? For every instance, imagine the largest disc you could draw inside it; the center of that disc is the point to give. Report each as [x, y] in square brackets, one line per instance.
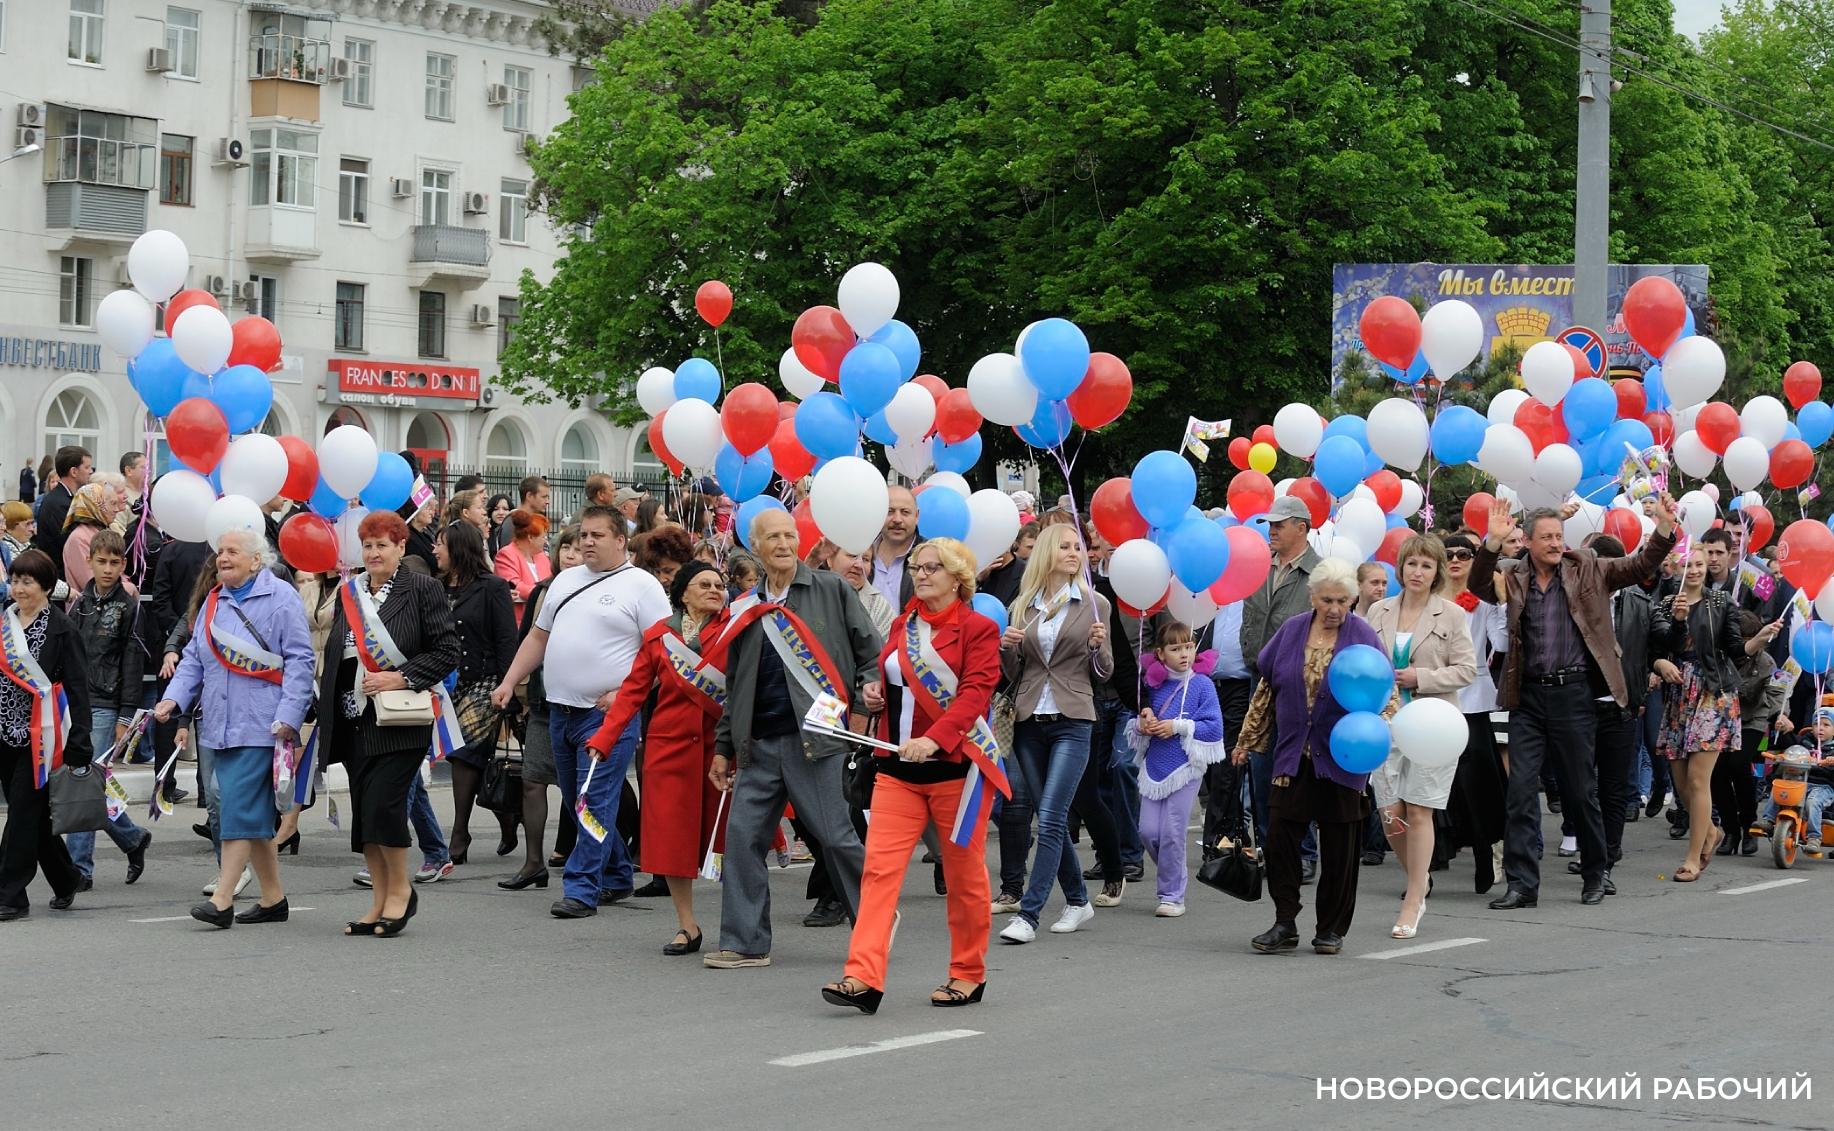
[1592, 203]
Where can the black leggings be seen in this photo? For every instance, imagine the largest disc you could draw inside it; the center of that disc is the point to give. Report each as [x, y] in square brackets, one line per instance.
[1735, 791]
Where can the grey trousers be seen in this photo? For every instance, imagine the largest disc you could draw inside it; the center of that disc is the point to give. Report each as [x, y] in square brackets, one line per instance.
[778, 772]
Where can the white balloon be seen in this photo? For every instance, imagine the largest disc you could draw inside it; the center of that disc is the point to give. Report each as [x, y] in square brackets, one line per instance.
[1360, 491]
[1692, 455]
[912, 411]
[847, 501]
[1697, 513]
[1348, 550]
[202, 338]
[1019, 342]
[347, 460]
[1320, 538]
[1451, 335]
[911, 458]
[868, 298]
[158, 264]
[1298, 430]
[999, 391]
[1558, 468]
[1398, 433]
[952, 481]
[1534, 495]
[350, 547]
[1747, 462]
[232, 512]
[796, 376]
[1507, 456]
[1508, 494]
[1751, 499]
[1139, 573]
[993, 523]
[1362, 521]
[1711, 491]
[656, 390]
[1693, 370]
[691, 430]
[180, 501]
[1683, 419]
[1194, 609]
[1412, 496]
[1764, 419]
[1430, 733]
[1824, 603]
[1503, 406]
[124, 322]
[1547, 372]
[1282, 487]
[1588, 519]
[255, 466]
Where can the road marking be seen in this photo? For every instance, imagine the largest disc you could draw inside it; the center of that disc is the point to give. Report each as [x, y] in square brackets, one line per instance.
[187, 918]
[1765, 886]
[891, 1044]
[1423, 948]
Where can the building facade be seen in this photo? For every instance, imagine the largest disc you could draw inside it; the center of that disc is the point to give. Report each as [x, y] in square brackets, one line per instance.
[353, 170]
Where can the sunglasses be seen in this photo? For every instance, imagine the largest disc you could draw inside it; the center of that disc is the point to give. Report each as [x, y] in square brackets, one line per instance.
[1459, 555]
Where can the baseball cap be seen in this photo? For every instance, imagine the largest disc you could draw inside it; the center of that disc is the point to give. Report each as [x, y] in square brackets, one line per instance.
[1286, 507]
[626, 495]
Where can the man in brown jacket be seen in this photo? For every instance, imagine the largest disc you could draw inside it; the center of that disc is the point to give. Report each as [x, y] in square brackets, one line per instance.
[1562, 659]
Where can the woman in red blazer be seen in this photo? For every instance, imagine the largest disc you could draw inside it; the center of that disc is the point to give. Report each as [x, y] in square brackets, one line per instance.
[939, 668]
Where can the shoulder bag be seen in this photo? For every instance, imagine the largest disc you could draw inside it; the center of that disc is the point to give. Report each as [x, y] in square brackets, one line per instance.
[1238, 868]
[501, 791]
[79, 800]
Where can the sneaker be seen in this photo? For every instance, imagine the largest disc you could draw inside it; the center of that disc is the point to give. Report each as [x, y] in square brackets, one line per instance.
[1006, 903]
[248, 877]
[1110, 895]
[1763, 826]
[1074, 917]
[1811, 844]
[1018, 931]
[431, 873]
[799, 852]
[1569, 846]
[362, 880]
[1170, 910]
[733, 960]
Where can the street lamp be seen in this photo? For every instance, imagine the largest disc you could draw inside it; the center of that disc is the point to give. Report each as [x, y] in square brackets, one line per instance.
[31, 147]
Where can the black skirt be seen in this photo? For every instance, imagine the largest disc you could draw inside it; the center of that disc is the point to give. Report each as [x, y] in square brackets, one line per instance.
[1475, 808]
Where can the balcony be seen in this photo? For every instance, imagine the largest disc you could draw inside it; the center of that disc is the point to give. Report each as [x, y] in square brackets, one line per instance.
[279, 234]
[451, 254]
[285, 72]
[94, 214]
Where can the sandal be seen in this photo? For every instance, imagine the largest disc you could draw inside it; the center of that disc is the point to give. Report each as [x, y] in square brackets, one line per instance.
[952, 997]
[1714, 836]
[1686, 874]
[865, 998]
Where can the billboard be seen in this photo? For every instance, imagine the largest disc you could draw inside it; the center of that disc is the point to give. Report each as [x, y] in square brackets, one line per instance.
[1521, 304]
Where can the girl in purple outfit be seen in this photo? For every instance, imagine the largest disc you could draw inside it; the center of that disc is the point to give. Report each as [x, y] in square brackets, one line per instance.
[1180, 733]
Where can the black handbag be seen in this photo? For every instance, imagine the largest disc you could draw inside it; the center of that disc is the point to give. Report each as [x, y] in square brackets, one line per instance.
[79, 800]
[860, 772]
[1237, 870]
[501, 789]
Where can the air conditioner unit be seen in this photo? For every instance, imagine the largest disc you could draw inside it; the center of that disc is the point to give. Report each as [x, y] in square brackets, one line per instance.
[27, 135]
[482, 315]
[158, 60]
[249, 292]
[477, 203]
[523, 143]
[122, 276]
[31, 114]
[231, 151]
[400, 187]
[216, 284]
[338, 71]
[497, 94]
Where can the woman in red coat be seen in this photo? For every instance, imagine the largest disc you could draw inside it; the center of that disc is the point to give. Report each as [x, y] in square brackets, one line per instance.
[679, 800]
[939, 668]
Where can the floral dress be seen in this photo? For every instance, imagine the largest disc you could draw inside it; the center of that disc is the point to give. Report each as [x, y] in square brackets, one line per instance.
[1696, 719]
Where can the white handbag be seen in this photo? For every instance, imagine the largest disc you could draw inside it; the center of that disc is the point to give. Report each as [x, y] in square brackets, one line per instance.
[403, 708]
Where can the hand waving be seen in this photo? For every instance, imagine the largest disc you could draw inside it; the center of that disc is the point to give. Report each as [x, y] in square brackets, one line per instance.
[1502, 523]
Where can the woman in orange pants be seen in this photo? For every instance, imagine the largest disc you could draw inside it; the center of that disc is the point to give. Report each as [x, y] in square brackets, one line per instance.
[939, 669]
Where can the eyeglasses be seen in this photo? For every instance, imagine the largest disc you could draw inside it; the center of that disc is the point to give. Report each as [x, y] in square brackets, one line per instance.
[1459, 555]
[925, 569]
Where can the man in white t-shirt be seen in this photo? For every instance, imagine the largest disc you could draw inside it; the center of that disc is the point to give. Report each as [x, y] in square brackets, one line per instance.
[591, 626]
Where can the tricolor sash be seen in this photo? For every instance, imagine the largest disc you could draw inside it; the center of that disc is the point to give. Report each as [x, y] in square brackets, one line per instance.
[705, 683]
[50, 708]
[236, 652]
[933, 682]
[804, 659]
[378, 652]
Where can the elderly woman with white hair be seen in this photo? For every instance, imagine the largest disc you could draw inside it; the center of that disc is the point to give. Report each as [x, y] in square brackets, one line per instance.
[249, 665]
[1294, 703]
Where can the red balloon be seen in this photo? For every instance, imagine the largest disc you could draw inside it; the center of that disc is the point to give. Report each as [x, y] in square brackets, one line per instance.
[1631, 400]
[808, 535]
[198, 434]
[821, 337]
[255, 341]
[1654, 313]
[1542, 424]
[1762, 527]
[1387, 487]
[1717, 425]
[1582, 365]
[1112, 510]
[1102, 397]
[1250, 493]
[661, 449]
[790, 458]
[749, 418]
[1791, 464]
[1249, 560]
[1238, 452]
[1316, 499]
[1622, 525]
[302, 472]
[1805, 555]
[1139, 614]
[1477, 511]
[1662, 427]
[786, 410]
[956, 417]
[185, 300]
[1265, 435]
[714, 301]
[309, 543]
[1390, 327]
[1801, 383]
[1390, 549]
[938, 387]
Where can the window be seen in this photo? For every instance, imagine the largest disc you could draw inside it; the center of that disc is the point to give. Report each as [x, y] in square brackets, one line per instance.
[432, 324]
[287, 46]
[184, 28]
[362, 56]
[439, 86]
[509, 312]
[267, 297]
[76, 287]
[435, 196]
[353, 190]
[175, 153]
[347, 334]
[283, 167]
[86, 31]
[513, 212]
[579, 450]
[506, 449]
[516, 110]
[101, 149]
[73, 419]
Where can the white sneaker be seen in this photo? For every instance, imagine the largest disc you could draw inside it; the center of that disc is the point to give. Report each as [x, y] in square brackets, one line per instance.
[1019, 931]
[248, 877]
[1074, 918]
[433, 873]
[1170, 910]
[362, 880]
[1005, 904]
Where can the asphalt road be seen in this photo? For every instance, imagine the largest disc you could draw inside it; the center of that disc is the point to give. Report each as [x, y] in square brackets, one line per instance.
[489, 1013]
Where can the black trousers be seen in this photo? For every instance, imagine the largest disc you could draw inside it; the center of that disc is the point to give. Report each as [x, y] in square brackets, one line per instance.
[1552, 724]
[1224, 815]
[27, 844]
[1087, 806]
[1735, 791]
[1338, 814]
[1614, 745]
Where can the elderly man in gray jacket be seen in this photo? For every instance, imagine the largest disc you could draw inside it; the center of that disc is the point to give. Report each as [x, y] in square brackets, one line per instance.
[775, 668]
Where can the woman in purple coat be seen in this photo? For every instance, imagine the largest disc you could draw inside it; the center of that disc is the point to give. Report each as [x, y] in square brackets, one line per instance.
[1294, 708]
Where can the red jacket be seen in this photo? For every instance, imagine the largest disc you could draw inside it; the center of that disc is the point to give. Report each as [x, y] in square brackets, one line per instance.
[970, 644]
[678, 716]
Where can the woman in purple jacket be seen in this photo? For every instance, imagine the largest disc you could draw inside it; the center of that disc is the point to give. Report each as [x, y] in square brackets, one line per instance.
[1295, 708]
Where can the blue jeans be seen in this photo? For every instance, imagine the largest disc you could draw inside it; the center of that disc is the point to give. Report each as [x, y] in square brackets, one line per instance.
[122, 830]
[1120, 783]
[426, 824]
[594, 866]
[1052, 756]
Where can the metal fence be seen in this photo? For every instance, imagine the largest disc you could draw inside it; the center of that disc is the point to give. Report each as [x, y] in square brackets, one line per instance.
[568, 486]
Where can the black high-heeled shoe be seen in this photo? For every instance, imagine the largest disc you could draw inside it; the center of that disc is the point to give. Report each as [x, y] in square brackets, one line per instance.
[525, 879]
[953, 997]
[388, 928]
[507, 846]
[556, 860]
[461, 857]
[289, 846]
[866, 1000]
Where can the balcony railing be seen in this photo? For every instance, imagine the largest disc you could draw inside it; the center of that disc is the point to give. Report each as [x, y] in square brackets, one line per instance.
[446, 243]
[276, 55]
[101, 161]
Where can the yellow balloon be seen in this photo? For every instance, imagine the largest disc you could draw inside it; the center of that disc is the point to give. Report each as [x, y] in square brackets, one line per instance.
[1261, 457]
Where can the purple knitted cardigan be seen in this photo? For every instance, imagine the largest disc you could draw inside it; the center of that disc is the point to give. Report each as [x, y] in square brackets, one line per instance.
[1282, 663]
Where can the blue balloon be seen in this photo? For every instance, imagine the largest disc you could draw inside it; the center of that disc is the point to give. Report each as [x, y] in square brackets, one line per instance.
[1338, 465]
[1350, 425]
[697, 378]
[159, 376]
[902, 341]
[1361, 678]
[1412, 374]
[1816, 423]
[740, 477]
[216, 478]
[1394, 521]
[196, 385]
[245, 394]
[1372, 463]
[1791, 432]
[879, 430]
[327, 502]
[826, 425]
[1163, 486]
[956, 457]
[942, 513]
[1611, 448]
[1589, 407]
[389, 487]
[1198, 551]
[1049, 426]
[1458, 434]
[1258, 524]
[989, 606]
[749, 510]
[1359, 742]
[1055, 355]
[1813, 646]
[1655, 394]
[1599, 489]
[1392, 585]
[869, 377]
[1226, 520]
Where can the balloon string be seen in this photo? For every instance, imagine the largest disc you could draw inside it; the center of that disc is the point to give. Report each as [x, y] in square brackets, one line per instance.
[138, 552]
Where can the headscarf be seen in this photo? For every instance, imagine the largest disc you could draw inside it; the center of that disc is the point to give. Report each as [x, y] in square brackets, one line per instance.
[89, 507]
